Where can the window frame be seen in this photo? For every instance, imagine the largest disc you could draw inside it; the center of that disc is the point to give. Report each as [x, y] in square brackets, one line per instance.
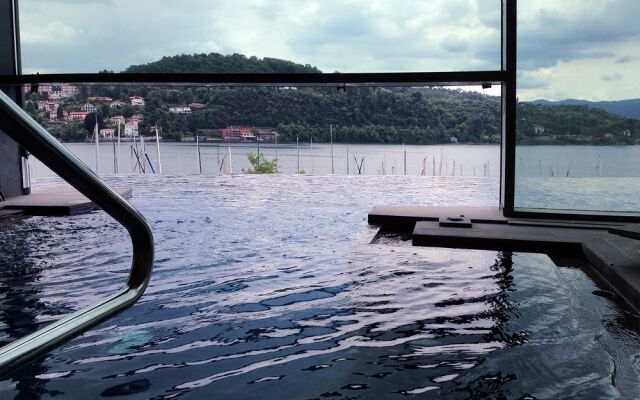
[506, 77]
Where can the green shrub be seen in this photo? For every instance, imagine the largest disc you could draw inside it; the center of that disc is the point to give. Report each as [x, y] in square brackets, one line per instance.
[260, 165]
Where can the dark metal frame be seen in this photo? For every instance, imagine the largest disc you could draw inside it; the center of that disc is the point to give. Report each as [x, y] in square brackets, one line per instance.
[298, 79]
[20, 127]
[508, 143]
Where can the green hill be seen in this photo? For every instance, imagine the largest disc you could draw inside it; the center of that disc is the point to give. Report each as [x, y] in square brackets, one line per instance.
[626, 108]
[221, 64]
[574, 124]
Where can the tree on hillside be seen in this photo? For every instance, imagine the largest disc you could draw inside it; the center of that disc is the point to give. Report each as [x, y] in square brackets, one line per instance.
[105, 110]
[90, 122]
[128, 110]
[72, 132]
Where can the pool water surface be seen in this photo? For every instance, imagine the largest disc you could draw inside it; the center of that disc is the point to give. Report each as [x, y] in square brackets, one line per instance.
[269, 287]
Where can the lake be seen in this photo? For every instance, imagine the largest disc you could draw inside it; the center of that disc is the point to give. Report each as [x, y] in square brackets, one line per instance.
[561, 177]
[432, 160]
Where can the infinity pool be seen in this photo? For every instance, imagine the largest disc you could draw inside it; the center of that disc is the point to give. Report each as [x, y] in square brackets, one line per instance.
[267, 287]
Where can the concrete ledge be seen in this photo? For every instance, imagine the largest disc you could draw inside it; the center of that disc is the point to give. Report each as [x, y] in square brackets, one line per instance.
[500, 237]
[54, 202]
[405, 217]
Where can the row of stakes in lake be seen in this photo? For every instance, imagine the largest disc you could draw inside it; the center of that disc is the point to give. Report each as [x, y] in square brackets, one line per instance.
[140, 161]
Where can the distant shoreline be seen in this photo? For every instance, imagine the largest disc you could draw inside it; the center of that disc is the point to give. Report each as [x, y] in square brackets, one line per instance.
[305, 143]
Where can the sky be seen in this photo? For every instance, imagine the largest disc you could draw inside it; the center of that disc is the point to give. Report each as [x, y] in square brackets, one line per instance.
[584, 49]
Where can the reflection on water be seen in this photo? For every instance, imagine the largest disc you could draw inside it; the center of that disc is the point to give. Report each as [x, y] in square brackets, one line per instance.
[267, 287]
[597, 194]
[20, 304]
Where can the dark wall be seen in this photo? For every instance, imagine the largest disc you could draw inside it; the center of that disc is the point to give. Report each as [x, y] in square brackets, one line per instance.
[10, 171]
[10, 175]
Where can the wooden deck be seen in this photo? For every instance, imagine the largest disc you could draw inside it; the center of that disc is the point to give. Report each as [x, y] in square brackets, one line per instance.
[54, 202]
[613, 249]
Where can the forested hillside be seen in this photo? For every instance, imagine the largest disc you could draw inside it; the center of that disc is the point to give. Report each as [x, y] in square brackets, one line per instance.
[221, 64]
[626, 108]
[358, 114]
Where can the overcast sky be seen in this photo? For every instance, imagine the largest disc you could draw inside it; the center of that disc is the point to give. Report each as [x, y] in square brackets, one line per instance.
[587, 49]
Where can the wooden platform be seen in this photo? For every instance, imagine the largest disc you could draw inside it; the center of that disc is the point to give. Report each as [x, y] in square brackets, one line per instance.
[54, 202]
[613, 249]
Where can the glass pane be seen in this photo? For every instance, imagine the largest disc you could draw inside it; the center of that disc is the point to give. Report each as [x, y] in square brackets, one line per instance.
[578, 116]
[418, 133]
[258, 36]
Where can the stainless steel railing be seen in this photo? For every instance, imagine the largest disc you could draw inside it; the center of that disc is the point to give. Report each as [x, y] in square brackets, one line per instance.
[19, 126]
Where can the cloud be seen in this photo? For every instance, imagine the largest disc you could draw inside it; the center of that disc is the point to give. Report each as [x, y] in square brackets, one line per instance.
[454, 44]
[558, 41]
[345, 35]
[551, 32]
[54, 32]
[624, 59]
[612, 77]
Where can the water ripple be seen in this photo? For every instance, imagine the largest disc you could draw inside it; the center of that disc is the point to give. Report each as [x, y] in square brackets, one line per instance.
[270, 285]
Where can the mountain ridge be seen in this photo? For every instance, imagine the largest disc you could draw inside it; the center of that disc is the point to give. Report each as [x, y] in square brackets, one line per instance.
[627, 108]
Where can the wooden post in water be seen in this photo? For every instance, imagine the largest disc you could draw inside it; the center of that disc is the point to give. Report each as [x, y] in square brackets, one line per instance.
[115, 159]
[331, 140]
[540, 166]
[143, 154]
[159, 161]
[96, 132]
[276, 139]
[258, 146]
[405, 159]
[297, 155]
[453, 170]
[118, 153]
[199, 155]
[311, 149]
[347, 159]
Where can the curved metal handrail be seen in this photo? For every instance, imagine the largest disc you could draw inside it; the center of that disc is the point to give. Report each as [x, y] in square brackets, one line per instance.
[19, 126]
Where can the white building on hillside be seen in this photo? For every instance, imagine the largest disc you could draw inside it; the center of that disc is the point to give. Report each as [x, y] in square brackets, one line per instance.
[137, 101]
[88, 108]
[131, 129]
[180, 110]
[107, 133]
[117, 119]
